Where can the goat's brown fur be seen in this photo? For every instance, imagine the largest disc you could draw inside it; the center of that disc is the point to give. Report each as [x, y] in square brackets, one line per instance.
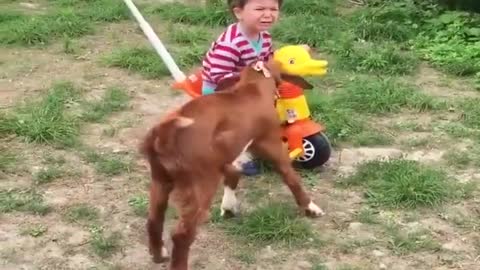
[193, 149]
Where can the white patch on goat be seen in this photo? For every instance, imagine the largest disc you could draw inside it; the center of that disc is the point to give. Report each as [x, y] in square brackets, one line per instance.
[229, 201]
[317, 211]
[164, 252]
[184, 121]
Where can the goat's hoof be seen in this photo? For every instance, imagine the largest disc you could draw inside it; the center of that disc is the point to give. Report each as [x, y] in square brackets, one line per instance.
[227, 213]
[160, 257]
[313, 210]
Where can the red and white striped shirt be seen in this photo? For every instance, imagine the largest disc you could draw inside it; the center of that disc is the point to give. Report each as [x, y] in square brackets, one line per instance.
[231, 52]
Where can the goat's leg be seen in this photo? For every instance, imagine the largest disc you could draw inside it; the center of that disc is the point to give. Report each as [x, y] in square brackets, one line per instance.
[272, 149]
[185, 231]
[159, 193]
[230, 205]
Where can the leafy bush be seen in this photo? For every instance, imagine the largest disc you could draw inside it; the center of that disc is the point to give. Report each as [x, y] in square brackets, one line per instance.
[451, 42]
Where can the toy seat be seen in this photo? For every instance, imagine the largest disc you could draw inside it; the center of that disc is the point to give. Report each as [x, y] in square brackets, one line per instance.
[191, 85]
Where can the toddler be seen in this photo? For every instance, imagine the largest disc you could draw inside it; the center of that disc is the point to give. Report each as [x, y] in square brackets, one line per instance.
[241, 44]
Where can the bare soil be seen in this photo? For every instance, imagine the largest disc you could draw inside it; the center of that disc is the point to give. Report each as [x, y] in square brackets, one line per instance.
[67, 245]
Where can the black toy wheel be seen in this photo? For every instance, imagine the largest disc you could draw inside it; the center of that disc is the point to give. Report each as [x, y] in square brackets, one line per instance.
[317, 150]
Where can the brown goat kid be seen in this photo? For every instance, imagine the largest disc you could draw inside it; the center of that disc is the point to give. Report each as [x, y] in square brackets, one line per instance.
[195, 148]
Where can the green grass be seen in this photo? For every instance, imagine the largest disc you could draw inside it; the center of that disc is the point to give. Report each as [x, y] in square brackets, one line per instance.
[65, 19]
[272, 223]
[139, 205]
[142, 60]
[313, 7]
[406, 242]
[41, 29]
[81, 213]
[115, 99]
[104, 245]
[109, 164]
[8, 160]
[48, 174]
[34, 230]
[471, 112]
[382, 59]
[46, 120]
[372, 138]
[210, 15]
[189, 34]
[391, 22]
[321, 31]
[341, 123]
[147, 62]
[28, 201]
[400, 183]
[382, 95]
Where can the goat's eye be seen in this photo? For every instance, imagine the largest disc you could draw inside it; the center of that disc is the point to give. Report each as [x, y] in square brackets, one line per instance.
[291, 61]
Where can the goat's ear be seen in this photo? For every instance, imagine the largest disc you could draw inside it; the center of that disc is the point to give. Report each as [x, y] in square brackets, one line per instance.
[227, 83]
[297, 80]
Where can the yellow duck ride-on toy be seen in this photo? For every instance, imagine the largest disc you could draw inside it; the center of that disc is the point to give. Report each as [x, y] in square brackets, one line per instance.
[307, 144]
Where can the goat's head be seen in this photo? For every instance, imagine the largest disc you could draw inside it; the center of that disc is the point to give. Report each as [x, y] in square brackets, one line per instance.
[257, 73]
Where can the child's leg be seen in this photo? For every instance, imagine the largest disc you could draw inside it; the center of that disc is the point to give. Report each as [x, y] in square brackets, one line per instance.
[207, 90]
[246, 164]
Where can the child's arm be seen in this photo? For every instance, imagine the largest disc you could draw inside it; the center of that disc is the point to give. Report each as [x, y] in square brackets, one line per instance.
[223, 60]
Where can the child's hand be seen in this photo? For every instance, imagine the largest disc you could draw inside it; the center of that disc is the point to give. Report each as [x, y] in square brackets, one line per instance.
[306, 47]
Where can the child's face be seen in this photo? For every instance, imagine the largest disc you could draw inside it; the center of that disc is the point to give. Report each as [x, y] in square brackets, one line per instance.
[258, 15]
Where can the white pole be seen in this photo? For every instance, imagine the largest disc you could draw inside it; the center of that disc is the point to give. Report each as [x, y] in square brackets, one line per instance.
[177, 74]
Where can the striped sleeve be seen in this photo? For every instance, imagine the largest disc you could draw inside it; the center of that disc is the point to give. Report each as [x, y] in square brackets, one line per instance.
[222, 60]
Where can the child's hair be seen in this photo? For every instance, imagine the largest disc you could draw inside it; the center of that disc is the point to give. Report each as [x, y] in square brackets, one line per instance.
[241, 3]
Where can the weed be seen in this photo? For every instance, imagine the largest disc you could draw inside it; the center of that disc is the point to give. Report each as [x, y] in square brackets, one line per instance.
[81, 213]
[341, 122]
[108, 164]
[40, 29]
[471, 112]
[104, 246]
[450, 42]
[246, 256]
[393, 21]
[48, 174]
[372, 138]
[317, 31]
[310, 7]
[139, 205]
[115, 99]
[23, 201]
[273, 223]
[45, 121]
[142, 60]
[8, 160]
[146, 62]
[462, 159]
[384, 59]
[382, 96]
[35, 230]
[403, 243]
[367, 216]
[188, 34]
[210, 15]
[400, 183]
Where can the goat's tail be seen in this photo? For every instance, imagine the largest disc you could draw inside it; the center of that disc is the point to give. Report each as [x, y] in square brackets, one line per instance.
[160, 143]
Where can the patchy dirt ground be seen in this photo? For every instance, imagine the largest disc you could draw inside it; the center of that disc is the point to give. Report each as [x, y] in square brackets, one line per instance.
[94, 212]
